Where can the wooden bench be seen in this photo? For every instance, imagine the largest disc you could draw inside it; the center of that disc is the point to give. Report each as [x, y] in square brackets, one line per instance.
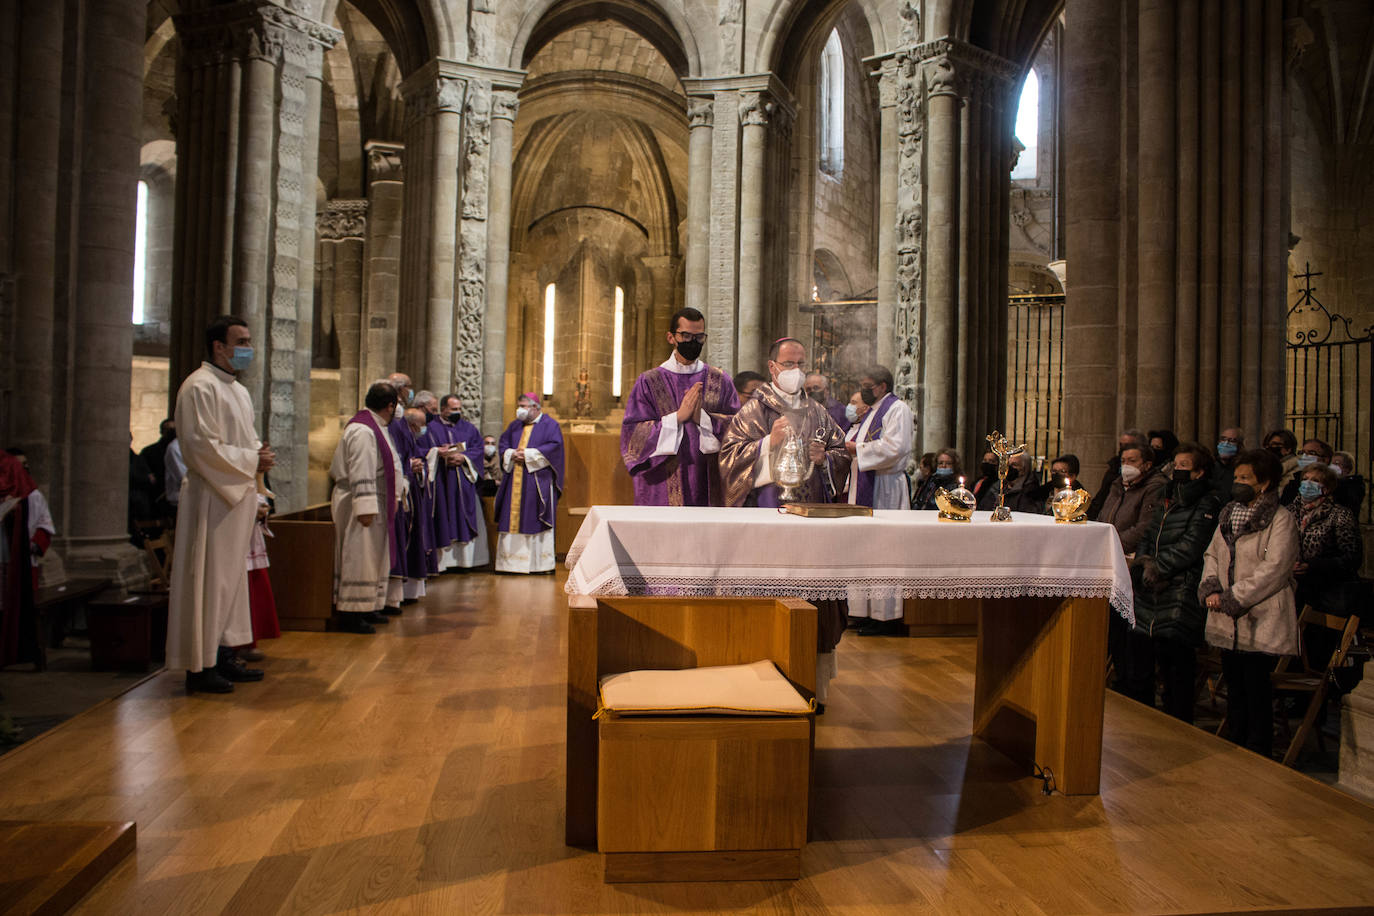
[53, 606]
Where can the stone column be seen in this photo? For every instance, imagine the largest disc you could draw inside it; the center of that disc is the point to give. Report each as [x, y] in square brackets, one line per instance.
[377, 342]
[939, 390]
[434, 106]
[248, 92]
[1092, 147]
[468, 356]
[754, 111]
[342, 226]
[700, 119]
[36, 180]
[504, 108]
[110, 100]
[887, 214]
[1356, 770]
[909, 307]
[723, 269]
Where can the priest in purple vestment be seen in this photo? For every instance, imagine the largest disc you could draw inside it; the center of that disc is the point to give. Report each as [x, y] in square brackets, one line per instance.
[420, 535]
[402, 585]
[818, 389]
[455, 461]
[531, 452]
[759, 428]
[674, 419]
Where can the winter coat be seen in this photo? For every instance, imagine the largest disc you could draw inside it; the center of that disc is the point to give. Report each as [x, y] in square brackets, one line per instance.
[1259, 588]
[1169, 564]
[1130, 509]
[1331, 546]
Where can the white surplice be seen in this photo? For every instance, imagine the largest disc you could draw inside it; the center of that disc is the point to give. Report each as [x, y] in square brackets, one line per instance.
[362, 555]
[887, 457]
[525, 553]
[208, 606]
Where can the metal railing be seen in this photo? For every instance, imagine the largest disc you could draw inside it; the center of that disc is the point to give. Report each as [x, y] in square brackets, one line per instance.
[1035, 374]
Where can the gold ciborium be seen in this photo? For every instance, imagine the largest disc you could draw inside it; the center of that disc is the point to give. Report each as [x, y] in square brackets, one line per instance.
[1004, 451]
[791, 466]
[1070, 506]
[955, 505]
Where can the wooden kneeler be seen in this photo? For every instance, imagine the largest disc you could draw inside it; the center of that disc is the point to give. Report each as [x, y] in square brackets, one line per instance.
[704, 797]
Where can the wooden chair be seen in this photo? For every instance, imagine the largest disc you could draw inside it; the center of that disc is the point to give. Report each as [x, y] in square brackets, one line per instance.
[724, 797]
[1313, 681]
[157, 553]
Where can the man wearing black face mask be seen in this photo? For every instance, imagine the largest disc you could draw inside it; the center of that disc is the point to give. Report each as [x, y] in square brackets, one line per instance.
[675, 419]
[1166, 571]
[818, 389]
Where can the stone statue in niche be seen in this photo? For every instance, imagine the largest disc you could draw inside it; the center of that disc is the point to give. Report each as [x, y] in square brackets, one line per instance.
[582, 406]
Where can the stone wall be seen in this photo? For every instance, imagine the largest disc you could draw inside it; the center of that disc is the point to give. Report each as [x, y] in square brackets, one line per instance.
[148, 398]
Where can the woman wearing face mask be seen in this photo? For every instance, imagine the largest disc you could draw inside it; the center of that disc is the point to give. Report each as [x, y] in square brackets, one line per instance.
[1166, 571]
[948, 467]
[1329, 542]
[1247, 587]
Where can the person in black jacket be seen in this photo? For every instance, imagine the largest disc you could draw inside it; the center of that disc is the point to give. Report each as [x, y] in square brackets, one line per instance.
[1166, 571]
[1350, 490]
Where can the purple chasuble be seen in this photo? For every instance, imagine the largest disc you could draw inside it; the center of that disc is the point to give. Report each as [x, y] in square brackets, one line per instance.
[539, 490]
[864, 479]
[688, 477]
[388, 462]
[456, 503]
[836, 411]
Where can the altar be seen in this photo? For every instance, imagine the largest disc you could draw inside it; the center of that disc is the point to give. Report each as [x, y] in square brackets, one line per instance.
[1043, 593]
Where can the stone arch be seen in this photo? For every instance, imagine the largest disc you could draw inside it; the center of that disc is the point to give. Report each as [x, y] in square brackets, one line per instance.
[1012, 29]
[412, 28]
[792, 26]
[827, 264]
[662, 25]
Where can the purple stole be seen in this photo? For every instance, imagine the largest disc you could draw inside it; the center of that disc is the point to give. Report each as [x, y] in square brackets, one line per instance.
[863, 494]
[388, 460]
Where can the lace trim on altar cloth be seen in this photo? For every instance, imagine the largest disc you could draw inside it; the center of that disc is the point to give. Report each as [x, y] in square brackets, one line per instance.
[836, 589]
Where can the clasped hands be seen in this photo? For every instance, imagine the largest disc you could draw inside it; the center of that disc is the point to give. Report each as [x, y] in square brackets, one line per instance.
[816, 449]
[691, 403]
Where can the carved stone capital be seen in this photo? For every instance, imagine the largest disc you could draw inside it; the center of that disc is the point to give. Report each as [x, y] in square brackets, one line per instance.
[385, 161]
[253, 29]
[342, 220]
[505, 105]
[701, 113]
[755, 108]
[427, 97]
[953, 66]
[887, 86]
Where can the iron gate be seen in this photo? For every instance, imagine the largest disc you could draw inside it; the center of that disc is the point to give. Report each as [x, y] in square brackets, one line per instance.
[1035, 374]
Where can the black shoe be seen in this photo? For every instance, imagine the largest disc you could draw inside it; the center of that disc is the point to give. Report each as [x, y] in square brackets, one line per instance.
[392, 611]
[354, 623]
[233, 669]
[373, 617]
[883, 628]
[405, 601]
[207, 681]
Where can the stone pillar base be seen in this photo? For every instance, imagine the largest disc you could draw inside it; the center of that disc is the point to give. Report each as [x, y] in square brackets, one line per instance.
[1356, 773]
[110, 558]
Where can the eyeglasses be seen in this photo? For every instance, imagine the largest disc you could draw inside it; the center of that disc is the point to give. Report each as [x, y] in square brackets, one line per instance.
[684, 337]
[792, 364]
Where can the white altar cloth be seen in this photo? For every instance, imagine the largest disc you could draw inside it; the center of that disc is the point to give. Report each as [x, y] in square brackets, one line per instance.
[701, 552]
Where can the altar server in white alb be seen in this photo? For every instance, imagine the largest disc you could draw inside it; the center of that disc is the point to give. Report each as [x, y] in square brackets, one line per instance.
[208, 606]
[368, 487]
[880, 451]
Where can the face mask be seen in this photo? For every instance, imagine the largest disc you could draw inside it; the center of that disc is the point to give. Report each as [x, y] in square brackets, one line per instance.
[869, 396]
[242, 358]
[429, 417]
[522, 414]
[851, 413]
[1276, 451]
[489, 450]
[689, 350]
[1181, 476]
[1306, 461]
[1309, 490]
[1226, 449]
[944, 472]
[1338, 470]
[1130, 473]
[789, 381]
[1242, 492]
[818, 396]
[410, 398]
[987, 469]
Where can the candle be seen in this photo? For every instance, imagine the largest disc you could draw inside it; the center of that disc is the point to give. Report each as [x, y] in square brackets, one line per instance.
[961, 481]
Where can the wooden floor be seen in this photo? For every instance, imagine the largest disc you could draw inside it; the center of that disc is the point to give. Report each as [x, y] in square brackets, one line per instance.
[421, 771]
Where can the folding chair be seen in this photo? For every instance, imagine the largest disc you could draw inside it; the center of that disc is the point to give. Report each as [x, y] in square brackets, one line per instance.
[157, 552]
[1314, 681]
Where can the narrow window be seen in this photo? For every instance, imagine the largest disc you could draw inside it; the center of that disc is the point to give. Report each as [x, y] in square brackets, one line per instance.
[549, 296]
[831, 121]
[618, 349]
[1028, 128]
[140, 251]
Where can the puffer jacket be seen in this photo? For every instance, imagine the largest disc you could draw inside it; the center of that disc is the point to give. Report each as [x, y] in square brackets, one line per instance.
[1168, 565]
[1258, 587]
[1129, 509]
